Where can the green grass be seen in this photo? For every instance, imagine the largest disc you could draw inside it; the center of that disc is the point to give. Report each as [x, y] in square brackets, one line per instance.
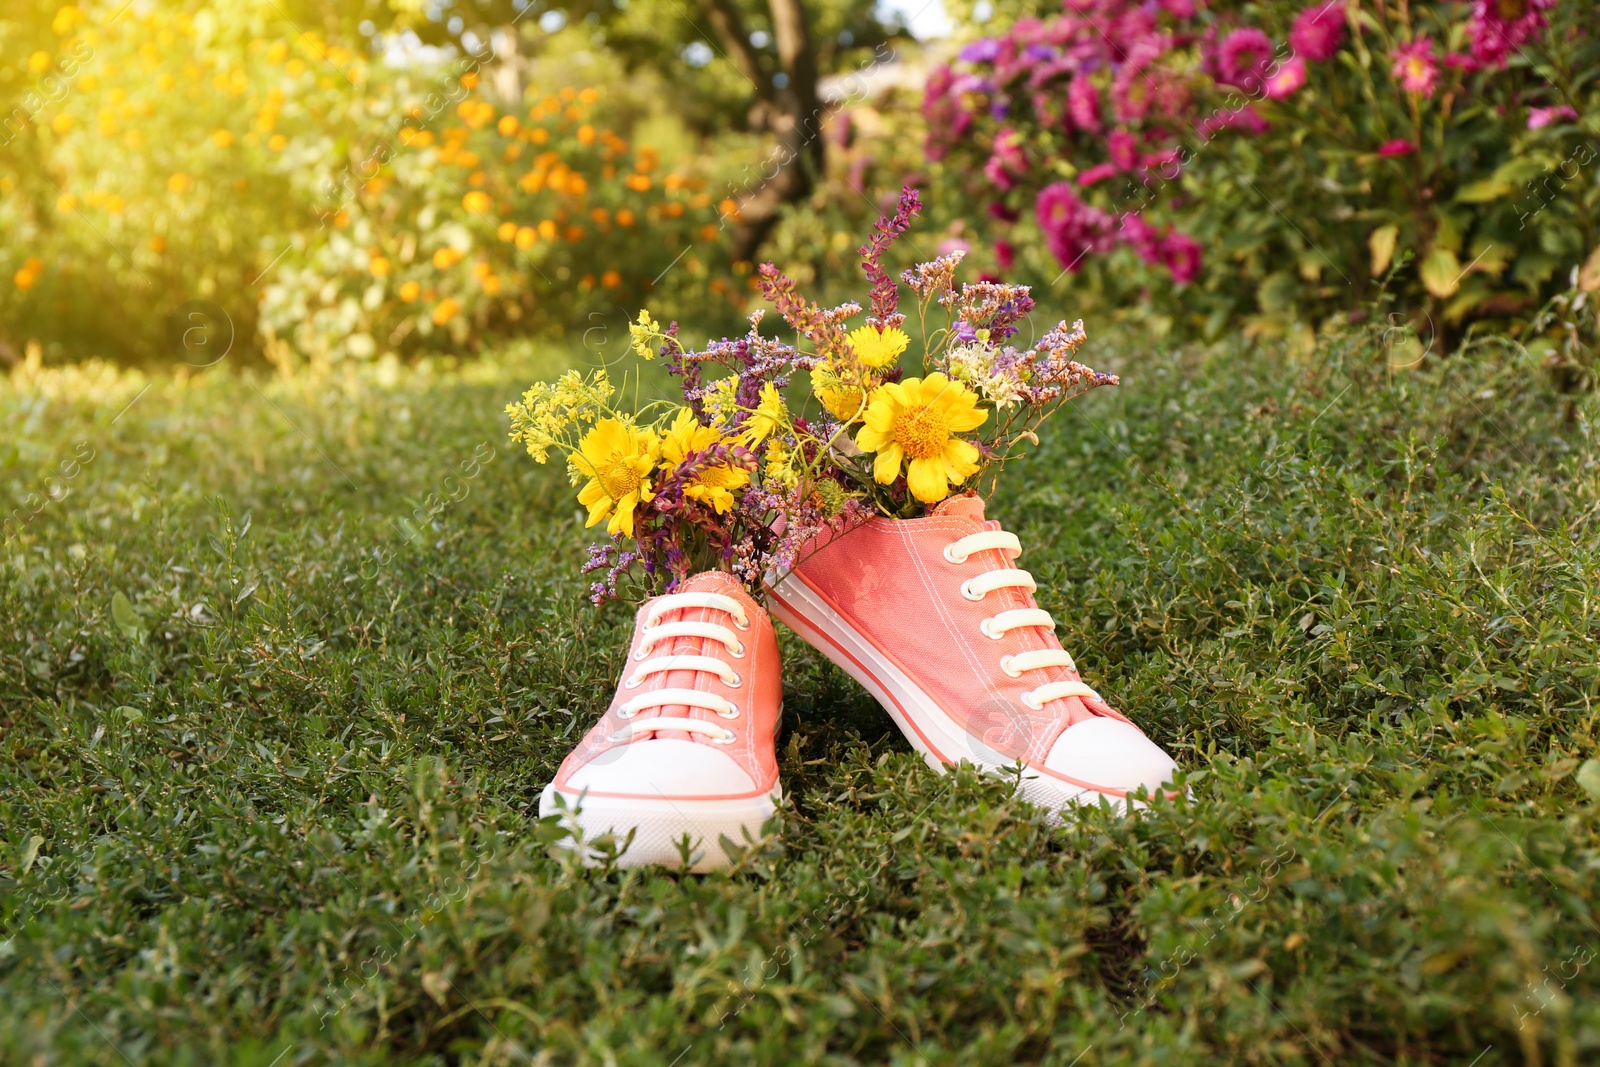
[270, 757]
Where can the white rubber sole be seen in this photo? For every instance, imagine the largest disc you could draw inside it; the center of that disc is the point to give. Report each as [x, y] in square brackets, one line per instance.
[936, 737]
[658, 826]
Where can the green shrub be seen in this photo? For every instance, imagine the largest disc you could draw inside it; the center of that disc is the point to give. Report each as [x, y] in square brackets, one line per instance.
[214, 173]
[1270, 163]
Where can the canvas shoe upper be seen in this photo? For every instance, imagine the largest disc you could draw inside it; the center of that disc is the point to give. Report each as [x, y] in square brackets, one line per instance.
[686, 745]
[933, 616]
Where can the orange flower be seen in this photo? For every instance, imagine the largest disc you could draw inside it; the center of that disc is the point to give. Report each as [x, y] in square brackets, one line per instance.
[624, 217]
[477, 202]
[158, 244]
[611, 279]
[277, 142]
[178, 183]
[446, 310]
[548, 230]
[586, 134]
[639, 183]
[380, 266]
[23, 279]
[491, 284]
[526, 237]
[574, 233]
[222, 138]
[507, 231]
[409, 291]
[508, 125]
[446, 257]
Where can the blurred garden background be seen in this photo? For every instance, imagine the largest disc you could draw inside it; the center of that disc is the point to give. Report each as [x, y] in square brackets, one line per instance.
[294, 637]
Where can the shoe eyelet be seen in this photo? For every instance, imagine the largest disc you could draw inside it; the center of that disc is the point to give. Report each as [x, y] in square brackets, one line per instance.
[734, 682]
[951, 556]
[624, 713]
[967, 591]
[1005, 665]
[737, 651]
[727, 739]
[742, 623]
[644, 651]
[989, 632]
[633, 683]
[1027, 698]
[732, 712]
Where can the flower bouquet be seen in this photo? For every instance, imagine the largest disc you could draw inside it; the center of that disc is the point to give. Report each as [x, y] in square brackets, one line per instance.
[751, 462]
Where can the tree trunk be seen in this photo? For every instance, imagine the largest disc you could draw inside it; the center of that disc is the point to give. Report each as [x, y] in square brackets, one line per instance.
[793, 114]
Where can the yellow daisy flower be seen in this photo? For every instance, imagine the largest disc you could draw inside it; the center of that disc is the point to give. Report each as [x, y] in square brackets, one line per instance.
[839, 395]
[714, 485]
[878, 348]
[767, 416]
[916, 420]
[617, 459]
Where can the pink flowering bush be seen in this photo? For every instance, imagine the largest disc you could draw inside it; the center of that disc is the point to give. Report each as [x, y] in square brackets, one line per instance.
[1276, 163]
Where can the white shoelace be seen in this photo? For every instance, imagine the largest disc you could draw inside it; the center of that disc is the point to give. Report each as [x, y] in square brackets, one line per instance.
[655, 632]
[997, 626]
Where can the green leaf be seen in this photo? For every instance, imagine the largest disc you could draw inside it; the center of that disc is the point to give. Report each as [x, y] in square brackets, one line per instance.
[1381, 243]
[132, 714]
[125, 618]
[30, 852]
[1589, 777]
[1483, 192]
[1517, 170]
[1441, 272]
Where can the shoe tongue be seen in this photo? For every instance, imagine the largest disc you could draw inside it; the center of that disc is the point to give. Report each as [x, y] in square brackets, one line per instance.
[966, 506]
[713, 582]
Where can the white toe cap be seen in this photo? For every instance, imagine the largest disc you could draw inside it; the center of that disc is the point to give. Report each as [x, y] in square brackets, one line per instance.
[1111, 754]
[664, 767]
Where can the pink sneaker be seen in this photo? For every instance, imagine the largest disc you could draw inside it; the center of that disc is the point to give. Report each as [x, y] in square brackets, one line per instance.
[686, 747]
[931, 616]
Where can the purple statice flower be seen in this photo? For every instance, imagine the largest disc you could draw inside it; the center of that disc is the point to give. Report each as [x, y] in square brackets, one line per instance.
[936, 277]
[988, 305]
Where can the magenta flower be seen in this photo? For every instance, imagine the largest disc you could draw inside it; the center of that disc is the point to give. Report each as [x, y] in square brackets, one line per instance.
[1097, 173]
[1243, 57]
[1287, 79]
[1540, 117]
[1140, 236]
[1318, 31]
[1005, 253]
[1398, 147]
[1180, 253]
[1123, 147]
[1415, 67]
[1072, 229]
[1499, 27]
[1083, 104]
